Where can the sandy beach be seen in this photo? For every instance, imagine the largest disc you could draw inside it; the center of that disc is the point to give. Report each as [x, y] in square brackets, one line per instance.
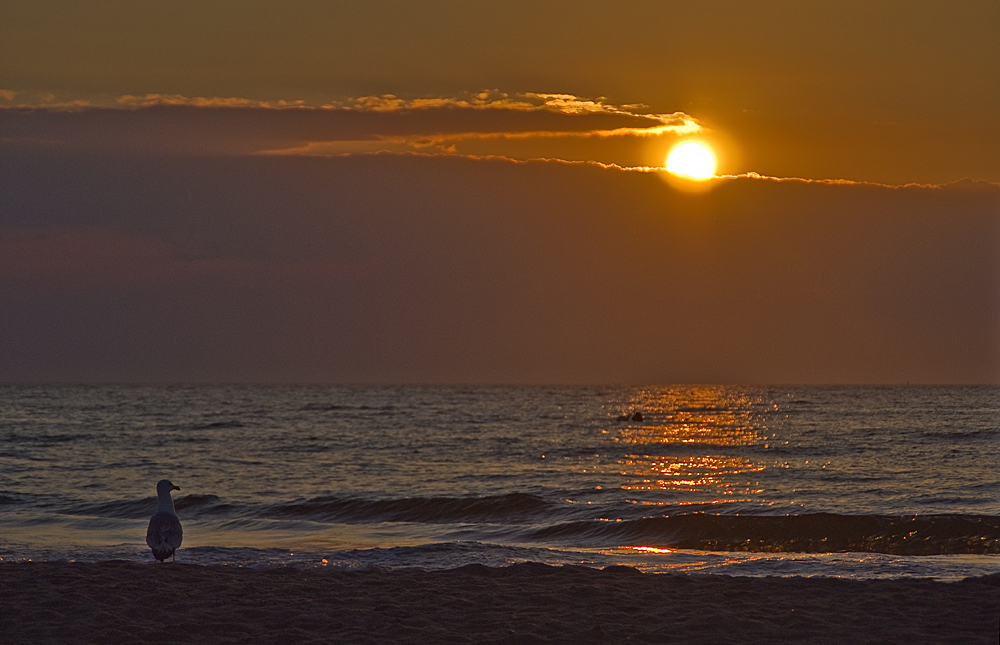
[120, 602]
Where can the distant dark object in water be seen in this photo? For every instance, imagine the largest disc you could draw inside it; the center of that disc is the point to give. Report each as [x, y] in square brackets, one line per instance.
[164, 534]
[635, 416]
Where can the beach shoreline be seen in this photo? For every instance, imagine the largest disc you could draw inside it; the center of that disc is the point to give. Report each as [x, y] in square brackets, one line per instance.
[124, 602]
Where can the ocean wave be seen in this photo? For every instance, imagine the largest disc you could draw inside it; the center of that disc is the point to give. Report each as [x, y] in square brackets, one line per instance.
[323, 407]
[806, 533]
[12, 438]
[961, 434]
[512, 507]
[130, 509]
[509, 508]
[134, 509]
[219, 425]
[615, 522]
[9, 498]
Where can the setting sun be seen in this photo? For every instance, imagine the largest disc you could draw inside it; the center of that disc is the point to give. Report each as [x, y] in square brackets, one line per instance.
[691, 160]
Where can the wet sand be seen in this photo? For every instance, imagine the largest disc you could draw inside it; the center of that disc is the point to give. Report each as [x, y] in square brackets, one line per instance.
[121, 602]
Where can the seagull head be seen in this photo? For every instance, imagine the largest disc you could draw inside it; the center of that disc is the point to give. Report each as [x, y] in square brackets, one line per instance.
[164, 486]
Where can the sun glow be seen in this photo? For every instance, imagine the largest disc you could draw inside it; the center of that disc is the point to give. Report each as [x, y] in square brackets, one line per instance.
[691, 160]
[650, 549]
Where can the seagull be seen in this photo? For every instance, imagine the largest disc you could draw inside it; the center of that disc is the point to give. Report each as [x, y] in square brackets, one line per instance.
[164, 533]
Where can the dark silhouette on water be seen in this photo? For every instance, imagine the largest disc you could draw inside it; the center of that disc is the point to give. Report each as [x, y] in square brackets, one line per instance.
[164, 534]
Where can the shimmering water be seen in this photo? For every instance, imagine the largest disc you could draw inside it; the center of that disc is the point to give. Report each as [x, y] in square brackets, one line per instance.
[852, 481]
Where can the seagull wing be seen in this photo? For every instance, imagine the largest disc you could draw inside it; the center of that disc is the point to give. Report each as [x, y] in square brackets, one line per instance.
[164, 534]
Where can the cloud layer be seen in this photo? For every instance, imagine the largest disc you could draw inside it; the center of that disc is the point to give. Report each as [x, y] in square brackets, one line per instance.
[487, 124]
[155, 244]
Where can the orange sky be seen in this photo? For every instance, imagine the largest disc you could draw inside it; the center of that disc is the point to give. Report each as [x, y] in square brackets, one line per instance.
[455, 192]
[890, 91]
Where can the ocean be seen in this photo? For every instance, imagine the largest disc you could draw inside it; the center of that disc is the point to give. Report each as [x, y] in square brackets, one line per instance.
[855, 482]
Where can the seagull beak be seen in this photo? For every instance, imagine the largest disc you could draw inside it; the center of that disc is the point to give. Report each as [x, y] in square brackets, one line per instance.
[176, 488]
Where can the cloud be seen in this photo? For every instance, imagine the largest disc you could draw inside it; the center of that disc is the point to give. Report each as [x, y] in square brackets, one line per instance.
[496, 100]
[486, 124]
[484, 100]
[433, 240]
[677, 124]
[529, 126]
[497, 143]
[147, 100]
[964, 184]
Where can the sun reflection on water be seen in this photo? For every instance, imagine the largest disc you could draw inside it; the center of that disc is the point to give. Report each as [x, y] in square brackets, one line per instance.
[648, 549]
[691, 439]
[688, 473]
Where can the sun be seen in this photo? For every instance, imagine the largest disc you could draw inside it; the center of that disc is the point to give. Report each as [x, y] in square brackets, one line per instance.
[692, 160]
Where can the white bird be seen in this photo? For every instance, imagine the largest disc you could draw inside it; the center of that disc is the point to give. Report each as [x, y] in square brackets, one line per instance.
[164, 533]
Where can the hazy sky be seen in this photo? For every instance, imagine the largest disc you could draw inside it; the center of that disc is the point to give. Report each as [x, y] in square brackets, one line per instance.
[471, 192]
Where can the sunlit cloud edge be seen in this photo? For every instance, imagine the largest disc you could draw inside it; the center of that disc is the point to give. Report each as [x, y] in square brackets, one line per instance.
[675, 123]
[752, 176]
[482, 100]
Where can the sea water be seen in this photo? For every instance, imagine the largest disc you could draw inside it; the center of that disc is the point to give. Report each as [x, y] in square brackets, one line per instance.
[832, 481]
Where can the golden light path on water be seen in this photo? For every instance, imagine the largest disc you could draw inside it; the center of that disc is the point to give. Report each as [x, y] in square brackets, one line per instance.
[671, 454]
[667, 455]
[689, 450]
